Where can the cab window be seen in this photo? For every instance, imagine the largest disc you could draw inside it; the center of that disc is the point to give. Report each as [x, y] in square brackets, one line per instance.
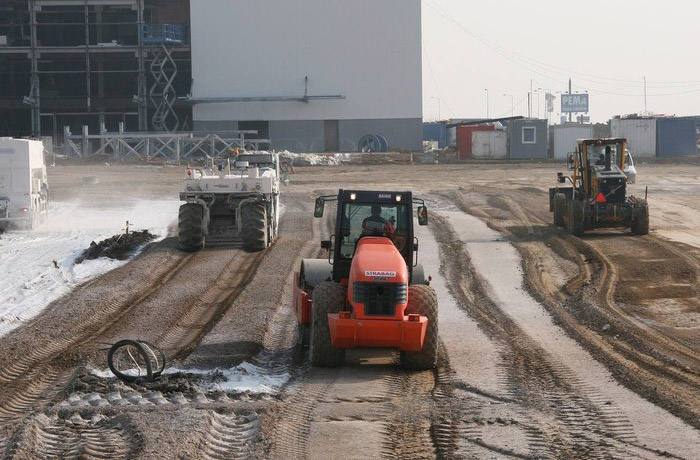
[361, 219]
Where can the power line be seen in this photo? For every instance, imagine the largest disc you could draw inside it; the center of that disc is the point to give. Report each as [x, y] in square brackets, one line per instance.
[529, 64]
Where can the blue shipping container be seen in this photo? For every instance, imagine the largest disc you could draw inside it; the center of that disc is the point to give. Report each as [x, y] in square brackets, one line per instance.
[677, 136]
[435, 131]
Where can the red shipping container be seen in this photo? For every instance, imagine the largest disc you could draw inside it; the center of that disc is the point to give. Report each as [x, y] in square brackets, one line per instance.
[464, 138]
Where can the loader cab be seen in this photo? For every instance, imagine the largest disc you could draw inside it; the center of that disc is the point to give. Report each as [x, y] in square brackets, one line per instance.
[602, 163]
[363, 214]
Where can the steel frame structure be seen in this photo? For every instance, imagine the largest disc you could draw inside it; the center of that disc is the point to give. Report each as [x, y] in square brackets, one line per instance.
[160, 98]
[171, 147]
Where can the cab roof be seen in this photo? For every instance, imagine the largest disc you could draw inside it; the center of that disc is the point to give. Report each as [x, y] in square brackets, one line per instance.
[602, 141]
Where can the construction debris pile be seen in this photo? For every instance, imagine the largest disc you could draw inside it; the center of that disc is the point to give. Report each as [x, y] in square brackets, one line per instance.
[312, 159]
[118, 247]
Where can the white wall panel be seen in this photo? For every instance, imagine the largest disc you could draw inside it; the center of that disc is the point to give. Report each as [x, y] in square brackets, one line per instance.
[366, 50]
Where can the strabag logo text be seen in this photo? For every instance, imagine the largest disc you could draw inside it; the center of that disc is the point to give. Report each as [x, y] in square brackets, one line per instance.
[380, 274]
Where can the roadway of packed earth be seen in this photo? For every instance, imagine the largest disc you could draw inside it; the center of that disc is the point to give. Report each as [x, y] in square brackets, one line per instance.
[550, 346]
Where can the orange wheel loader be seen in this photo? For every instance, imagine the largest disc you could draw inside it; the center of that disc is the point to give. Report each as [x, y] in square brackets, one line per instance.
[369, 292]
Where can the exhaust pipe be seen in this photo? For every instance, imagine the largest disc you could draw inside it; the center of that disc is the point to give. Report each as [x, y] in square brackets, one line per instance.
[608, 158]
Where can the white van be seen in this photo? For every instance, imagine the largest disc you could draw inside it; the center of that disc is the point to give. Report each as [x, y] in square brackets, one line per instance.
[24, 189]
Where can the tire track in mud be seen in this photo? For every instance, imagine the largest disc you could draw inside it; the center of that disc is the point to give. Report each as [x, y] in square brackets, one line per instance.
[100, 437]
[229, 436]
[104, 316]
[182, 334]
[633, 354]
[278, 339]
[29, 383]
[328, 409]
[202, 315]
[562, 409]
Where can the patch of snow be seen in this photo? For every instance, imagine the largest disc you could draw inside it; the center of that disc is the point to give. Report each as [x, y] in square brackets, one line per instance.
[314, 159]
[39, 266]
[244, 378]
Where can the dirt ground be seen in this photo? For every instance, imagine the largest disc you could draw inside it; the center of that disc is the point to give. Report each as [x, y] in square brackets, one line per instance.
[550, 345]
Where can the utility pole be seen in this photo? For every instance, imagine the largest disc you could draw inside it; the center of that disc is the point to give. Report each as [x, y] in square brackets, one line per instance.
[570, 114]
[512, 104]
[439, 107]
[645, 95]
[487, 103]
[529, 101]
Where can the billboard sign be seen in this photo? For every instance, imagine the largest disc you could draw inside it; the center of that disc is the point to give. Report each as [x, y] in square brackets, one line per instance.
[574, 103]
[549, 99]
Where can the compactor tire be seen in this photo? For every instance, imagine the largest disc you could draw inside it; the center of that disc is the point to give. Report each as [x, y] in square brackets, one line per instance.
[559, 209]
[640, 226]
[422, 300]
[190, 227]
[575, 218]
[303, 335]
[254, 227]
[328, 297]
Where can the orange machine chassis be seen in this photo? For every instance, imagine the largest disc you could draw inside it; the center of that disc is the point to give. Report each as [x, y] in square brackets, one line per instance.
[406, 335]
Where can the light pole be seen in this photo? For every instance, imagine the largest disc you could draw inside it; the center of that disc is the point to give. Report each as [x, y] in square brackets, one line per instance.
[512, 104]
[439, 107]
[487, 103]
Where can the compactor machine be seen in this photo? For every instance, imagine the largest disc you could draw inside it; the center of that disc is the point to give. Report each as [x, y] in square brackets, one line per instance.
[231, 201]
[598, 195]
[370, 292]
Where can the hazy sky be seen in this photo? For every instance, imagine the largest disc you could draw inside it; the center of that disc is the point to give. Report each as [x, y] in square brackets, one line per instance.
[607, 47]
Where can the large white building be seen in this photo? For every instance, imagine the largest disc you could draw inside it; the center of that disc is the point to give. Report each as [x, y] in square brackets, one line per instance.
[311, 75]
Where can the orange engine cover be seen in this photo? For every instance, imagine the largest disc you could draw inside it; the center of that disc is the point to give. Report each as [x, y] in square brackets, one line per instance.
[378, 271]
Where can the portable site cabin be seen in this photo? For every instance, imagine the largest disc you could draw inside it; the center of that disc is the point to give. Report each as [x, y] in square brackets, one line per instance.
[528, 139]
[24, 191]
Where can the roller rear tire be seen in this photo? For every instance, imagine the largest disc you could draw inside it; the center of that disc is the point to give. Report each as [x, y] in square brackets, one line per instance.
[328, 297]
[575, 224]
[640, 226]
[422, 300]
[559, 209]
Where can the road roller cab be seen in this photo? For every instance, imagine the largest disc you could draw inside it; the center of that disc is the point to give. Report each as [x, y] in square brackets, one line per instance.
[369, 292]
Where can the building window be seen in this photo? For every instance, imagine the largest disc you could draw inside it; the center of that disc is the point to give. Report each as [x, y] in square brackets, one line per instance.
[529, 135]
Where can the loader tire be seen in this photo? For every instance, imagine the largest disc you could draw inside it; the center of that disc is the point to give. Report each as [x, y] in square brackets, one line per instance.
[422, 300]
[328, 297]
[190, 227]
[575, 219]
[559, 209]
[640, 225]
[254, 228]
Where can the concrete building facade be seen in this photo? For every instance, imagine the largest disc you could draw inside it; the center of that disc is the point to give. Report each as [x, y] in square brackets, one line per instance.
[313, 75]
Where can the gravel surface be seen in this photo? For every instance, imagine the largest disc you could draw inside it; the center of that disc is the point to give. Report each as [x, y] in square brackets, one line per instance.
[551, 346]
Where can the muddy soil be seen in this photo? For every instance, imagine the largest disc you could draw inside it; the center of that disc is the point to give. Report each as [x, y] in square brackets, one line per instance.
[117, 247]
[551, 346]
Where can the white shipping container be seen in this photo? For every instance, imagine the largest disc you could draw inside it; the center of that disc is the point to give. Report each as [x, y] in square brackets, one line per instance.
[489, 144]
[452, 137]
[640, 135]
[565, 138]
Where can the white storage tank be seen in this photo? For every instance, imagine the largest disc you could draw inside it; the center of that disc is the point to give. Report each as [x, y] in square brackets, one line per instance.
[565, 137]
[639, 132]
[489, 144]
